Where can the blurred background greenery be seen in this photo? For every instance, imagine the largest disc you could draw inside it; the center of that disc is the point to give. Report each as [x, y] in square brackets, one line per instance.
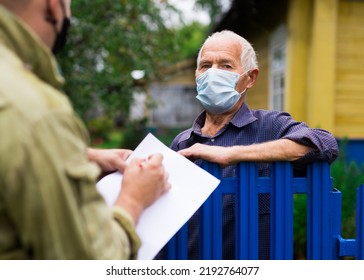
[111, 38]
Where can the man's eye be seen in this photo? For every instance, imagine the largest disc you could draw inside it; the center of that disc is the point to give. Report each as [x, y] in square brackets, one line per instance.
[204, 66]
[226, 66]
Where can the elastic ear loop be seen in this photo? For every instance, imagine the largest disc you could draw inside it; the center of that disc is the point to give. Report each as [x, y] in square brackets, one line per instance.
[244, 92]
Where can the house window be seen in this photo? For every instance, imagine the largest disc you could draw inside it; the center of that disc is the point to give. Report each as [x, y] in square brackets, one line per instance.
[277, 68]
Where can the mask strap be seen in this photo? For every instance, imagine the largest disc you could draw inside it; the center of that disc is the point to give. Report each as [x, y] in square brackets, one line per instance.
[243, 93]
[245, 73]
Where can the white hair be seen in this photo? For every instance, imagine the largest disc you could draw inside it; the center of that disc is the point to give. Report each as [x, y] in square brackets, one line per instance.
[248, 55]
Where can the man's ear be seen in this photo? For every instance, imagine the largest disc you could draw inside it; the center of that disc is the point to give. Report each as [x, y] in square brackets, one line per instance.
[253, 75]
[54, 10]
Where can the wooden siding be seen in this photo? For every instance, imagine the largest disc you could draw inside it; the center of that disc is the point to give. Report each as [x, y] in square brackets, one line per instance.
[349, 108]
[321, 65]
[257, 97]
[299, 22]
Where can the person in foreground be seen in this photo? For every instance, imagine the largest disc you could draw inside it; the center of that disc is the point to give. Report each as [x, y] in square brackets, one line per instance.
[228, 132]
[49, 206]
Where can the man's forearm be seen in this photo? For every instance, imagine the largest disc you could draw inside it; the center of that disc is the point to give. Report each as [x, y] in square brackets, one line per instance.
[278, 150]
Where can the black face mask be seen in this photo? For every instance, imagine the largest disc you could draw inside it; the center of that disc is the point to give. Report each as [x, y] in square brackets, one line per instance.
[61, 37]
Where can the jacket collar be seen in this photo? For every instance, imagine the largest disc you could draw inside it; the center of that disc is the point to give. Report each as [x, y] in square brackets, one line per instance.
[22, 41]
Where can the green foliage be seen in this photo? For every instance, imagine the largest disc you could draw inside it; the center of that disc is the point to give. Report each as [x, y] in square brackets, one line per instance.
[108, 40]
[114, 140]
[213, 7]
[133, 134]
[99, 129]
[190, 38]
[347, 178]
[300, 226]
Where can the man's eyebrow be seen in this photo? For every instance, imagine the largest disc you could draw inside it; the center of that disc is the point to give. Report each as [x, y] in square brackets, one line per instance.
[205, 61]
[220, 61]
[227, 60]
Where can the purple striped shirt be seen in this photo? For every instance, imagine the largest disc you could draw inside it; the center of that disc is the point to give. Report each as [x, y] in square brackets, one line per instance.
[258, 126]
[245, 128]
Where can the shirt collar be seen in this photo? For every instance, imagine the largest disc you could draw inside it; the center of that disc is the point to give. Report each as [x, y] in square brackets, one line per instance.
[242, 118]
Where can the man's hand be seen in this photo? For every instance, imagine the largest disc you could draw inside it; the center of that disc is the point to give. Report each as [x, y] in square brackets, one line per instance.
[215, 154]
[109, 159]
[144, 181]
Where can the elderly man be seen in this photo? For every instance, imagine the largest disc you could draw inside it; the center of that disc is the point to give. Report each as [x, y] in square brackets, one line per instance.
[49, 206]
[228, 132]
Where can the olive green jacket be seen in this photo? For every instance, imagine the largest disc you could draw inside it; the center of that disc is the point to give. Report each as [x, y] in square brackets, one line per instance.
[49, 206]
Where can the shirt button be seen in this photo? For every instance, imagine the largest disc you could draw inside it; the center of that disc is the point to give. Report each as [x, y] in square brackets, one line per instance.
[212, 140]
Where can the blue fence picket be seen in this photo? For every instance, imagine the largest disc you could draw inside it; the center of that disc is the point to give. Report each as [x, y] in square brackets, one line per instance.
[323, 215]
[318, 209]
[247, 213]
[360, 223]
[281, 213]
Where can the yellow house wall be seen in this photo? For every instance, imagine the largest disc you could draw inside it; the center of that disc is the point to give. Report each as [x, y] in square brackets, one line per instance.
[349, 100]
[257, 97]
[321, 65]
[325, 65]
[298, 39]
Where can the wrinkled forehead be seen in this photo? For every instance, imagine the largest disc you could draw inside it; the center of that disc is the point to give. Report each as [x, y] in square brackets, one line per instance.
[223, 47]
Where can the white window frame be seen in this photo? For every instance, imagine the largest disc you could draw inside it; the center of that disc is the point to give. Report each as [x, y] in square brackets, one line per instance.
[277, 68]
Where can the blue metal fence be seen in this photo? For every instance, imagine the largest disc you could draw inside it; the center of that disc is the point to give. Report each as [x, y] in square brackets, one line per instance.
[324, 239]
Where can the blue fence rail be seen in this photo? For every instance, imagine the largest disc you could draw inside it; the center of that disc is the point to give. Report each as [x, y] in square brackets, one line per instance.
[324, 239]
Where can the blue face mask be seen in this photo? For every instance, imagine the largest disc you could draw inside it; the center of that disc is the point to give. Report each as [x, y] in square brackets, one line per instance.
[216, 90]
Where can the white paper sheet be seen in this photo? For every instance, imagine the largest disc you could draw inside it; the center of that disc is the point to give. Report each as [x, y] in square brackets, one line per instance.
[191, 186]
